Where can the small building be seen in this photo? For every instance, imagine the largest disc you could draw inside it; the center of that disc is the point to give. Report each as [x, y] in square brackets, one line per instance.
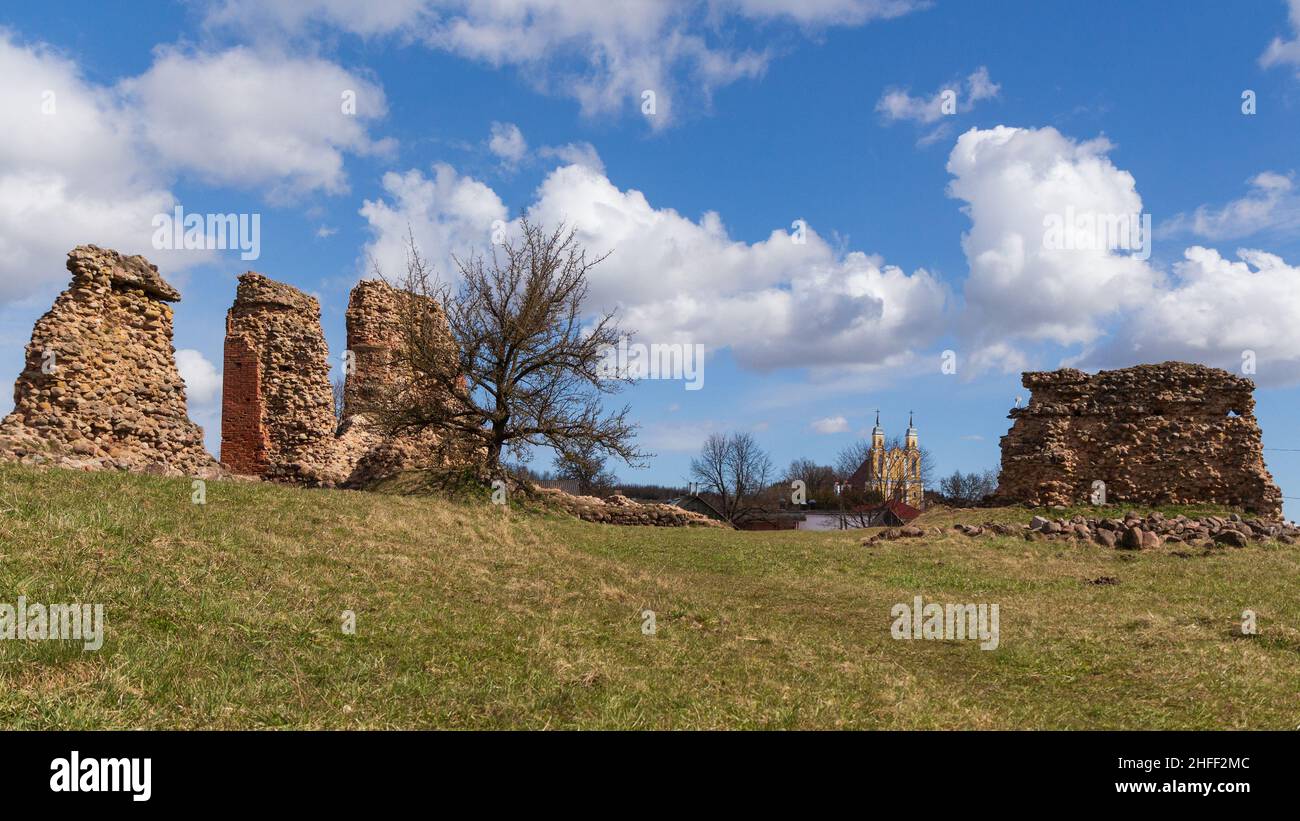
[894, 514]
[695, 504]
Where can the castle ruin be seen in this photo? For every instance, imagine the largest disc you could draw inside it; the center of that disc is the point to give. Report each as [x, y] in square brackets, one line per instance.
[100, 388]
[278, 416]
[1173, 433]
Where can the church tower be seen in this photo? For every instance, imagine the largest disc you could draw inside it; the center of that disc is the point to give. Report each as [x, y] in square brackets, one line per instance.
[876, 456]
[914, 493]
[894, 473]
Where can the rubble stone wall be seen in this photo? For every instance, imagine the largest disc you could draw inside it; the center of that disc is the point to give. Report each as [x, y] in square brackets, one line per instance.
[620, 510]
[1173, 433]
[276, 384]
[100, 388]
[278, 417]
[375, 316]
[374, 323]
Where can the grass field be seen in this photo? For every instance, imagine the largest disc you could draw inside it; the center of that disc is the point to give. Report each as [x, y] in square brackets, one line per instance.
[228, 615]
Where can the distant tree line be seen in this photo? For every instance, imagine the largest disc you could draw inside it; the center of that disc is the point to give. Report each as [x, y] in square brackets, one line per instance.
[967, 489]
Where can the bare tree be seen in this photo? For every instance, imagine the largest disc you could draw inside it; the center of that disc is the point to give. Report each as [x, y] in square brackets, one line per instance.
[851, 457]
[583, 464]
[522, 366]
[735, 471]
[968, 489]
[337, 386]
[818, 479]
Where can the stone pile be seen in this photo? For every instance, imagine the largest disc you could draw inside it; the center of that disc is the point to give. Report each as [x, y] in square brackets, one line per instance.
[1172, 433]
[100, 388]
[1128, 532]
[620, 510]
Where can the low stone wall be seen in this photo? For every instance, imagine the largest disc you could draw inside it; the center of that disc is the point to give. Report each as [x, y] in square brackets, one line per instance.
[1127, 532]
[620, 510]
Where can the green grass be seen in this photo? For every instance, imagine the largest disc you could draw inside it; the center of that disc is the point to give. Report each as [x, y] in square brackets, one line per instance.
[474, 616]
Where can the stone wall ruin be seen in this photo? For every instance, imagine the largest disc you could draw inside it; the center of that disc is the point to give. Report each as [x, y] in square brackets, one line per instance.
[277, 406]
[278, 418]
[100, 388]
[1173, 433]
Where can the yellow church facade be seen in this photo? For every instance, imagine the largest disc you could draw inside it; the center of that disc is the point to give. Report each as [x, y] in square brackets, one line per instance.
[894, 473]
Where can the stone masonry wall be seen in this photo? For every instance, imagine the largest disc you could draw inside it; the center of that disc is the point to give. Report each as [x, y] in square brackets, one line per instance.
[100, 388]
[374, 321]
[277, 417]
[245, 443]
[1172, 433]
[367, 452]
[277, 408]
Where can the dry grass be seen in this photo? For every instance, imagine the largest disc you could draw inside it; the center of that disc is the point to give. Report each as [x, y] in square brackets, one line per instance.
[470, 615]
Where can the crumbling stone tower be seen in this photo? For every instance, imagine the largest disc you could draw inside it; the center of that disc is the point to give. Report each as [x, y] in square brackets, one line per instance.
[100, 388]
[277, 406]
[375, 316]
[1171, 433]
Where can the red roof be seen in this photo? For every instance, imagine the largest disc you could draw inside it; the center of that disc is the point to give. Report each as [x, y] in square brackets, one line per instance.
[902, 510]
[859, 477]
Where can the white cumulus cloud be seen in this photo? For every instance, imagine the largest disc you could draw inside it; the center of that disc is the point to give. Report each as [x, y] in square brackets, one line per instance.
[202, 380]
[898, 104]
[774, 303]
[602, 54]
[253, 120]
[1285, 52]
[1013, 181]
[831, 424]
[446, 214]
[1220, 312]
[507, 143]
[1271, 204]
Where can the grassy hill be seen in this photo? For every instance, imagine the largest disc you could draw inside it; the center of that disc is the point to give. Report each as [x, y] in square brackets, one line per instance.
[473, 616]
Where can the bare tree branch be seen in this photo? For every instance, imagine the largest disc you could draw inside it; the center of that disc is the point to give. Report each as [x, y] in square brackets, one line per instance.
[514, 364]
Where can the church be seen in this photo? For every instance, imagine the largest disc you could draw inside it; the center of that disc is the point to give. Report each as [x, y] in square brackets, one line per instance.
[894, 473]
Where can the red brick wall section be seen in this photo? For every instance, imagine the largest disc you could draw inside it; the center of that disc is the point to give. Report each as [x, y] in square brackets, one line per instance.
[244, 440]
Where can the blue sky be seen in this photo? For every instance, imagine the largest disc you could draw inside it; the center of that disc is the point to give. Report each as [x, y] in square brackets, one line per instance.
[924, 226]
